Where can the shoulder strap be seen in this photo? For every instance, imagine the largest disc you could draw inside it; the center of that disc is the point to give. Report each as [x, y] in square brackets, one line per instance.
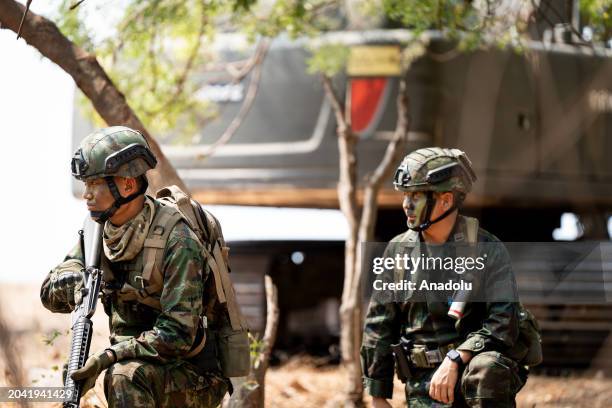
[471, 226]
[184, 205]
[154, 246]
[224, 288]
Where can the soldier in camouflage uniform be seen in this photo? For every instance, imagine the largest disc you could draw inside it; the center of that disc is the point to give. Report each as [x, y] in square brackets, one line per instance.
[469, 364]
[147, 363]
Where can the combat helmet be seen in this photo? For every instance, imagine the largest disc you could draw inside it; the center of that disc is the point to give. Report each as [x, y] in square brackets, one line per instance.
[109, 152]
[435, 169]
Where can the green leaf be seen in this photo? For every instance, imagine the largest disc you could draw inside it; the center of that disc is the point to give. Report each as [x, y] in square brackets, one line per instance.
[328, 59]
[50, 338]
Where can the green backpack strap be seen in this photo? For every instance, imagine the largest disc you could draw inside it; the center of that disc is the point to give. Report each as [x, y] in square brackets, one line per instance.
[153, 251]
[185, 205]
[225, 289]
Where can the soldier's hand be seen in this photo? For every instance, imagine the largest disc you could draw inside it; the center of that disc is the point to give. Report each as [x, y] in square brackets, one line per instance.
[68, 282]
[94, 365]
[442, 386]
[378, 402]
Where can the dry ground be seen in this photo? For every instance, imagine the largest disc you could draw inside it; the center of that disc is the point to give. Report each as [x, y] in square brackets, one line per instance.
[300, 383]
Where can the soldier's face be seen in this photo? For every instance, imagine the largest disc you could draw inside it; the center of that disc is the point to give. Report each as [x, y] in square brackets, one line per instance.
[415, 206]
[98, 196]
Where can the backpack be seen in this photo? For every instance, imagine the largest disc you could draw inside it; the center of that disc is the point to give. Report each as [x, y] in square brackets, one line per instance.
[230, 331]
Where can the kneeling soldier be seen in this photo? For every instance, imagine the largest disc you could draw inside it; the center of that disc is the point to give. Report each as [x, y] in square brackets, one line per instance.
[156, 355]
[449, 364]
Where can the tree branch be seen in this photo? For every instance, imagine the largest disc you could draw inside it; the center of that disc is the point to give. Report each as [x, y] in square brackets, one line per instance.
[90, 77]
[347, 184]
[182, 79]
[272, 314]
[25, 13]
[251, 393]
[334, 100]
[393, 151]
[247, 104]
[373, 182]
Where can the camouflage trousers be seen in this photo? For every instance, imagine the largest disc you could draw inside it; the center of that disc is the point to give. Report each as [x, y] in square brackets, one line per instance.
[490, 380]
[139, 384]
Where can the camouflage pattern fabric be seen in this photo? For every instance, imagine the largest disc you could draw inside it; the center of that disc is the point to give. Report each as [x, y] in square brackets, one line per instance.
[99, 145]
[492, 326]
[124, 242]
[139, 332]
[489, 380]
[139, 384]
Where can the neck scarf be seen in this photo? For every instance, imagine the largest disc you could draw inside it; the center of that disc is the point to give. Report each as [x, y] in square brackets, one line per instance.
[124, 242]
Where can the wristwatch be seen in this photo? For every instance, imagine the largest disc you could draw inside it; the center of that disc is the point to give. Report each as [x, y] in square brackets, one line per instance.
[454, 355]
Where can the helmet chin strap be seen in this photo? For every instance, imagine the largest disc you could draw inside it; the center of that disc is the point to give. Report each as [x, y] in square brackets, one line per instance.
[430, 205]
[102, 216]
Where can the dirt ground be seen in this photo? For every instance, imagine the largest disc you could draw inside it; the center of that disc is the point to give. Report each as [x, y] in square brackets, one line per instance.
[42, 342]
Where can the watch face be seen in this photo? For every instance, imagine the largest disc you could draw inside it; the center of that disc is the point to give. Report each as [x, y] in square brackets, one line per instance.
[453, 355]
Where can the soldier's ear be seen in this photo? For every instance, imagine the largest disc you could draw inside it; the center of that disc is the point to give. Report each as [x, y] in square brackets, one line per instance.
[126, 184]
[131, 185]
[447, 199]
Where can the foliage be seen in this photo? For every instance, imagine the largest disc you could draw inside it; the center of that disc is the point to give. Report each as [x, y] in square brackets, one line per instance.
[50, 338]
[473, 24]
[152, 56]
[159, 53]
[328, 59]
[292, 17]
[256, 346]
[597, 14]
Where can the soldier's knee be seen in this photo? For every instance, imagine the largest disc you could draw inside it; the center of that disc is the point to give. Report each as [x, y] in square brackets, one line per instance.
[125, 384]
[124, 372]
[490, 380]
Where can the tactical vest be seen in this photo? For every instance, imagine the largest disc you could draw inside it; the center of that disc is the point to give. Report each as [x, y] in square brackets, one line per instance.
[528, 348]
[222, 321]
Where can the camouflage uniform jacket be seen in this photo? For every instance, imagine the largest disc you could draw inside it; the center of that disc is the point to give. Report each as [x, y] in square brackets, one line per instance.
[136, 330]
[486, 326]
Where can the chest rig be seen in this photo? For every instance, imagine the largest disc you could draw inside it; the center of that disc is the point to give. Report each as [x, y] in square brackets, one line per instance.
[141, 279]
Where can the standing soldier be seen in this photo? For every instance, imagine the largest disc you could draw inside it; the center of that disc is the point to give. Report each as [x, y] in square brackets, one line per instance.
[450, 363]
[156, 355]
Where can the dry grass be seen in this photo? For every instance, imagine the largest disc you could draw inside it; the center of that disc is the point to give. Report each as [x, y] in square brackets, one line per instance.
[300, 383]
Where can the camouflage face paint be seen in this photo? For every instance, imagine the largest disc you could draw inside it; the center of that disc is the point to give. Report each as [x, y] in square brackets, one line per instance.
[415, 207]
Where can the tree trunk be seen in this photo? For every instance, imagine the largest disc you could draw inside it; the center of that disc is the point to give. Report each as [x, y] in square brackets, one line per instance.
[90, 77]
[360, 230]
[350, 312]
[251, 393]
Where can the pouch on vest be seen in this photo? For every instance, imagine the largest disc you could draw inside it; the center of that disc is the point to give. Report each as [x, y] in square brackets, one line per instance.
[528, 347]
[231, 335]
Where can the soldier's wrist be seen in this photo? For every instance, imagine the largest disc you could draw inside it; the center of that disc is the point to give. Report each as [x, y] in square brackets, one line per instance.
[466, 356]
[111, 355]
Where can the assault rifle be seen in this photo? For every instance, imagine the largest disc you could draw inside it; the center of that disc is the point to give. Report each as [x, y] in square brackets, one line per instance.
[82, 326]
